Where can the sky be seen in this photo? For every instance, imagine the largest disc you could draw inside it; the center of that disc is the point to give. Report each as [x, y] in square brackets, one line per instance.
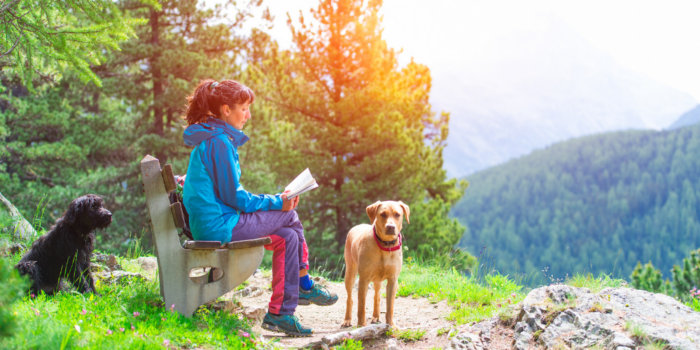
[658, 38]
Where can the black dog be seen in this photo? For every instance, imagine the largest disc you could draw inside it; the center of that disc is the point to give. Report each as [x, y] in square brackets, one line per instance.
[64, 252]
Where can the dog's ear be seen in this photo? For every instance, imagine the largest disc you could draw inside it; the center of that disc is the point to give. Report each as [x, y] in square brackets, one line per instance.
[73, 212]
[406, 210]
[372, 211]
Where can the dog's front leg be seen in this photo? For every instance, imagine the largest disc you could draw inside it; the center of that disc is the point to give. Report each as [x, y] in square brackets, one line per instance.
[83, 280]
[361, 299]
[391, 288]
[350, 273]
[377, 294]
[90, 281]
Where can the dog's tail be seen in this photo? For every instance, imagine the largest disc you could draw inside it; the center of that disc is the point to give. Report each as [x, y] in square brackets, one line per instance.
[29, 268]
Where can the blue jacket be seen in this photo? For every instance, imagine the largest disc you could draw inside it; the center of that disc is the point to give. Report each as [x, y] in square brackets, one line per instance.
[213, 194]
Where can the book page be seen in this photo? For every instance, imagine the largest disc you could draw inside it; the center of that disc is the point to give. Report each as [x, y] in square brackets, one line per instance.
[301, 184]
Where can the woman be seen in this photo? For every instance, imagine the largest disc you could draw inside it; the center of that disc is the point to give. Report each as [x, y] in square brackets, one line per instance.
[220, 209]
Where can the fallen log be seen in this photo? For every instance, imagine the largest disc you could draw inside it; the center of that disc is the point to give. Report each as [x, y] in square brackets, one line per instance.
[369, 332]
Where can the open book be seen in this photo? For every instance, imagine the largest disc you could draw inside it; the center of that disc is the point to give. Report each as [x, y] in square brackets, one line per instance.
[303, 183]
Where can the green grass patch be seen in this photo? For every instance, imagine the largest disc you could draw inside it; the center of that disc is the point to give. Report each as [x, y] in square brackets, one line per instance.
[407, 334]
[474, 298]
[349, 344]
[127, 316]
[595, 284]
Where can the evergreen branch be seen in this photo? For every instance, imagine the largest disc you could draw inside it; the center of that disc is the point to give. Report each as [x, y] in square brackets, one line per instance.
[302, 111]
[13, 46]
[7, 6]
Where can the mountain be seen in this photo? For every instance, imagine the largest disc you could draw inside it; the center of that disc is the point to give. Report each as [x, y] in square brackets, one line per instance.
[688, 118]
[542, 84]
[598, 203]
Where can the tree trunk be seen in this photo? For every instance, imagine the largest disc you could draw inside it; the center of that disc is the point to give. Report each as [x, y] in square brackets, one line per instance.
[157, 83]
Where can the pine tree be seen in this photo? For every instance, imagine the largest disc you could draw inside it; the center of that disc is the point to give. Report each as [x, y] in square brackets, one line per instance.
[687, 277]
[650, 278]
[364, 125]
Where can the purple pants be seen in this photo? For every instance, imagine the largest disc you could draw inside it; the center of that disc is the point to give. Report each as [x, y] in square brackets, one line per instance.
[290, 253]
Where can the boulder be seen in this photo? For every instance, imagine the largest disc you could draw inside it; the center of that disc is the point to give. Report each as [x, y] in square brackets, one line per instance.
[575, 318]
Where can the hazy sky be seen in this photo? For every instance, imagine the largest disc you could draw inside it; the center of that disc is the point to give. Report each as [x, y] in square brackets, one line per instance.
[658, 38]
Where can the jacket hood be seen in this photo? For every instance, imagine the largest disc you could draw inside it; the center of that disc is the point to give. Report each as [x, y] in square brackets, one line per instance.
[196, 133]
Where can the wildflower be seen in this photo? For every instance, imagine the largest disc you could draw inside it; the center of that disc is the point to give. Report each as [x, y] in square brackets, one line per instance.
[512, 295]
[162, 319]
[109, 332]
[77, 328]
[132, 327]
[83, 312]
[243, 334]
[166, 342]
[137, 314]
[121, 329]
[33, 296]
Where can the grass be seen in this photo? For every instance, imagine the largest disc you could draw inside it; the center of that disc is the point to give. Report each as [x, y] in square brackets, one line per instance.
[350, 344]
[407, 334]
[127, 316]
[473, 298]
[587, 280]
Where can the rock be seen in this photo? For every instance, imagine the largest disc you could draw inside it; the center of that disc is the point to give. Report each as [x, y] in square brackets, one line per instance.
[320, 280]
[221, 305]
[466, 341]
[119, 276]
[12, 249]
[108, 260]
[148, 263]
[618, 340]
[575, 318]
[391, 344]
[249, 291]
[96, 267]
[254, 314]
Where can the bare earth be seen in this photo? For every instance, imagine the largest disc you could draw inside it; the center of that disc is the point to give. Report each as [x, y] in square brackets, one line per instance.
[409, 313]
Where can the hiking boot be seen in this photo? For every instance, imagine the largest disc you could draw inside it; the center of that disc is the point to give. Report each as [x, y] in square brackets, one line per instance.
[318, 295]
[287, 324]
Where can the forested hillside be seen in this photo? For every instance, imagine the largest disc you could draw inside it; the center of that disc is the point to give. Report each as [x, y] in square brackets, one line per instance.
[595, 203]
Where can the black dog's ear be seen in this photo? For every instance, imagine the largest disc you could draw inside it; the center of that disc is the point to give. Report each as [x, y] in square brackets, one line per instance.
[73, 211]
[372, 211]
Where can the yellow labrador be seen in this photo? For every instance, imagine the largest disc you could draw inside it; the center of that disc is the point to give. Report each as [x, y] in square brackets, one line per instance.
[374, 251]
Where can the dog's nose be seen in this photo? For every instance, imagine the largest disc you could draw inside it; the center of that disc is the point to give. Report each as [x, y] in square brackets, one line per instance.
[390, 229]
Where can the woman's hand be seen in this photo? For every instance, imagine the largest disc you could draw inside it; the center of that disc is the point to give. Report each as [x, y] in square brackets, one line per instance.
[291, 204]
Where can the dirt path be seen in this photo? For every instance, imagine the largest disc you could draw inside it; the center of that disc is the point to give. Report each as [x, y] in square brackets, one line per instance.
[409, 313]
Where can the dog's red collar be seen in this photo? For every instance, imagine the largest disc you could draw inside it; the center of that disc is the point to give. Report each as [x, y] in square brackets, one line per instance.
[379, 242]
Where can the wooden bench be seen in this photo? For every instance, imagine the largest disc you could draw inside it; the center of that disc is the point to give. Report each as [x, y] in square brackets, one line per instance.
[231, 264]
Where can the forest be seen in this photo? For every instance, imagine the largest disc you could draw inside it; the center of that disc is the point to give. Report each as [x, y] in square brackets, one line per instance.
[596, 204]
[85, 96]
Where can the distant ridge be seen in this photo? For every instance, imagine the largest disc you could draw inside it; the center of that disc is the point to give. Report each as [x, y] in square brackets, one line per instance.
[688, 118]
[596, 204]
